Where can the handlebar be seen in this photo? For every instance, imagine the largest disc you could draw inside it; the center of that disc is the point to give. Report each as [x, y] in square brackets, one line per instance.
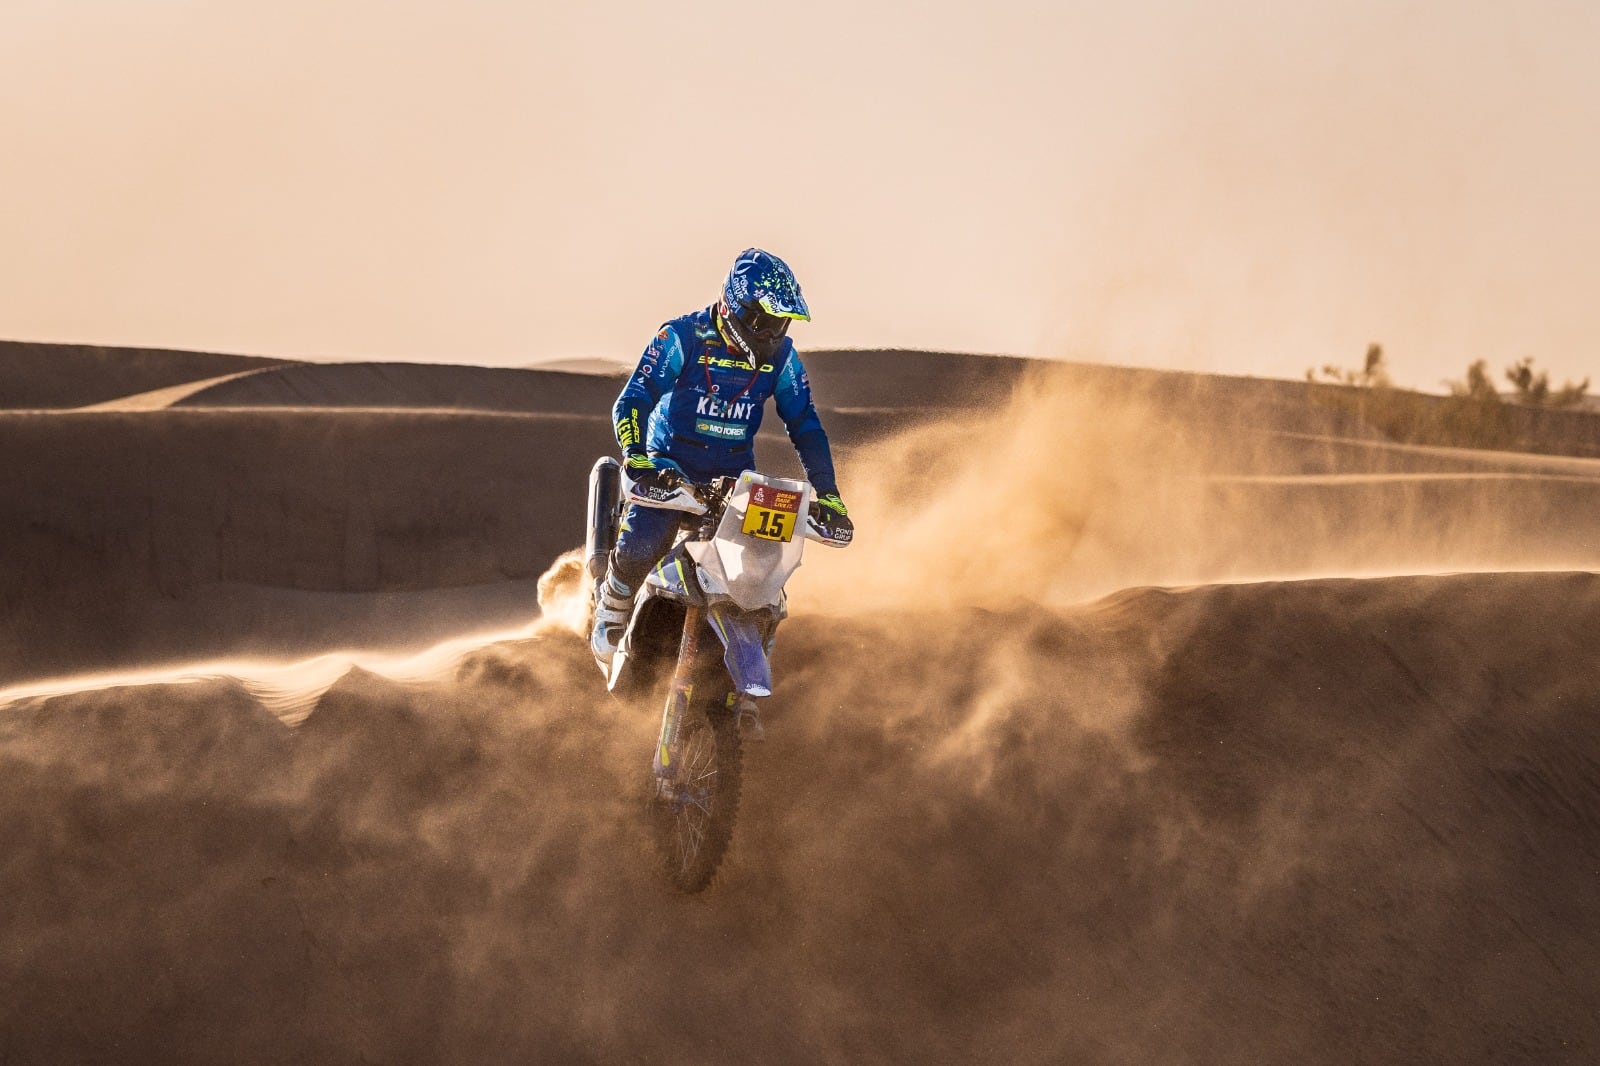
[712, 495]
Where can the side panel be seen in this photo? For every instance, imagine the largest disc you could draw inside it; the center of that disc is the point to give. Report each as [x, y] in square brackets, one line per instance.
[674, 577]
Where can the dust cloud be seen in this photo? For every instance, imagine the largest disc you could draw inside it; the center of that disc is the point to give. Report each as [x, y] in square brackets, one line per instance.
[1067, 493]
[1036, 790]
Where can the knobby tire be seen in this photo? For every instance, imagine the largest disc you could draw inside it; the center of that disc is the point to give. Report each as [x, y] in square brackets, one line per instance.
[694, 827]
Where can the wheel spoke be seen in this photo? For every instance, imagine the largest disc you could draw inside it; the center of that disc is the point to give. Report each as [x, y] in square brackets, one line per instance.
[696, 809]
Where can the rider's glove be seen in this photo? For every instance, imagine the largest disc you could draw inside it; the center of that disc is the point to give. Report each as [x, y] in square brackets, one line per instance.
[830, 519]
[651, 477]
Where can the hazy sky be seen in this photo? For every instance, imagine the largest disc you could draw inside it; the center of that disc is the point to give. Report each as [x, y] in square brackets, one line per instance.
[1249, 186]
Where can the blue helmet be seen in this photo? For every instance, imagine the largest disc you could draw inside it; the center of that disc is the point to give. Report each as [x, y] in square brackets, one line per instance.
[759, 299]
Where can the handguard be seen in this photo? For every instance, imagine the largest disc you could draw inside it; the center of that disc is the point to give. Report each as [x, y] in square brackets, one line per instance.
[821, 530]
[675, 494]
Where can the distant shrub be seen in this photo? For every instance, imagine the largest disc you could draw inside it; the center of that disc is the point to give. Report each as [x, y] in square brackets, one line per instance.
[1370, 397]
[1473, 415]
[1534, 389]
[1374, 372]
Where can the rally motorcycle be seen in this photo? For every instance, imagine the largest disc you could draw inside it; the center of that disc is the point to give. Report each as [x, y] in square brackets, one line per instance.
[703, 622]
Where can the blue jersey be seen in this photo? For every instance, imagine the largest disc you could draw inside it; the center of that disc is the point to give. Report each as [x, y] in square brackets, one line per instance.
[696, 402]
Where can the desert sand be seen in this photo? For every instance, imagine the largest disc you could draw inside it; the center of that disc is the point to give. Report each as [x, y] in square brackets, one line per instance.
[1152, 718]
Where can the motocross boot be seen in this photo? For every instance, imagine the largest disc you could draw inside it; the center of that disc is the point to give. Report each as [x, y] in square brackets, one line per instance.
[610, 620]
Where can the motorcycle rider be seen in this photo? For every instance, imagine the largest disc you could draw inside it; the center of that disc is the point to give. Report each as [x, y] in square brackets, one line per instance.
[691, 410]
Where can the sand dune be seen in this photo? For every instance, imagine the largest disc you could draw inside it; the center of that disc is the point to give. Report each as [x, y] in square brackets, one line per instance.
[1315, 822]
[141, 527]
[1136, 727]
[52, 376]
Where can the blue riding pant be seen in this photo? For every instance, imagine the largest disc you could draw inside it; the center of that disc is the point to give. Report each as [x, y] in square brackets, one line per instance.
[645, 536]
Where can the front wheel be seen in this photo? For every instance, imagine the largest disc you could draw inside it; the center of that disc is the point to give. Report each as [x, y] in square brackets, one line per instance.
[692, 812]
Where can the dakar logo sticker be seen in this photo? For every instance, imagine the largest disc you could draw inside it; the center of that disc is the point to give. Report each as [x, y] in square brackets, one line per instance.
[775, 498]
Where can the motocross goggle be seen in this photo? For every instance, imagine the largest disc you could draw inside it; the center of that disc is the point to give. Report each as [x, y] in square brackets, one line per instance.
[759, 326]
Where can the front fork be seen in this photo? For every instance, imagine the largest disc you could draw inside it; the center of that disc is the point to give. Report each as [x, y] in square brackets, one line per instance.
[679, 694]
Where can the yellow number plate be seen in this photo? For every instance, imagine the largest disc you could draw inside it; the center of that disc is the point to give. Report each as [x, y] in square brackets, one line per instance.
[771, 513]
[768, 524]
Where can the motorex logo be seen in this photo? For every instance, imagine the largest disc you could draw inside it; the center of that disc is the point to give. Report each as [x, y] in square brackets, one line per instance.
[712, 407]
[721, 430]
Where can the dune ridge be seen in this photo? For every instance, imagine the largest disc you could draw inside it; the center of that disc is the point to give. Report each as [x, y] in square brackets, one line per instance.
[60, 376]
[1093, 748]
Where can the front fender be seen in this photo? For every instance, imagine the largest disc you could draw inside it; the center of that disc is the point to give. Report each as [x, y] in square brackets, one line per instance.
[742, 634]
